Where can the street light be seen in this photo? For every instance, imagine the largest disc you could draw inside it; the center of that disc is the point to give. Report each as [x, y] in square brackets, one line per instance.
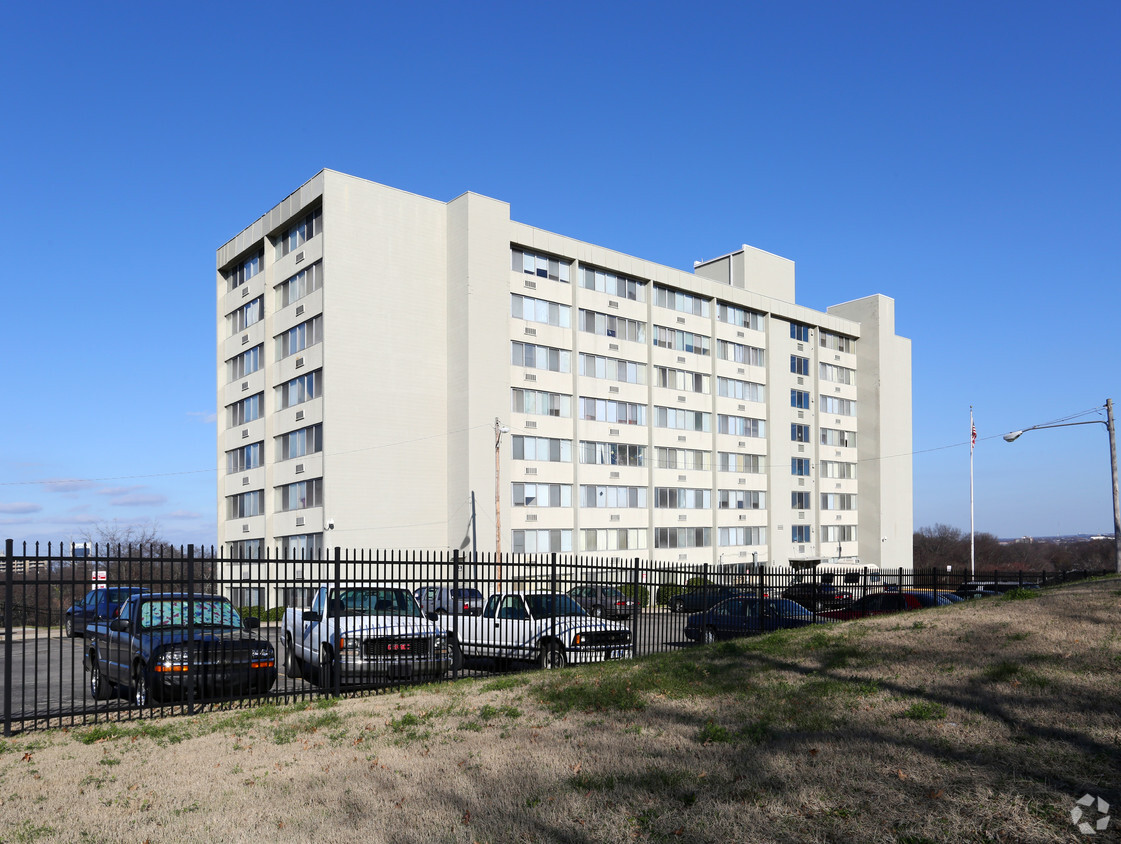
[1012, 436]
[499, 430]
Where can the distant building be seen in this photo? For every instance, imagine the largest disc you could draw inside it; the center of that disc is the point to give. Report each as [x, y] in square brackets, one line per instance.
[368, 338]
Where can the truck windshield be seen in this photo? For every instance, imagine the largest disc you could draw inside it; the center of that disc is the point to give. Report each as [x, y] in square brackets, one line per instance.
[175, 612]
[547, 606]
[374, 601]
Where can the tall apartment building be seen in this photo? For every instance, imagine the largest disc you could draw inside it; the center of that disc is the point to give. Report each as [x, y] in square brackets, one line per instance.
[369, 338]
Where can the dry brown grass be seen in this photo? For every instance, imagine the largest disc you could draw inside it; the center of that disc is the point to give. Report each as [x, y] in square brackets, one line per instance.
[979, 722]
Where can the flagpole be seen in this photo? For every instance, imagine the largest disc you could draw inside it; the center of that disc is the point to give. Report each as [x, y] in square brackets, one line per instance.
[972, 441]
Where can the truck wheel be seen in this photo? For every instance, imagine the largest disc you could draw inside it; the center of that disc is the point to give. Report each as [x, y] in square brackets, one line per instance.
[597, 611]
[140, 693]
[326, 661]
[292, 665]
[457, 655]
[678, 605]
[552, 656]
[99, 686]
[710, 635]
[69, 627]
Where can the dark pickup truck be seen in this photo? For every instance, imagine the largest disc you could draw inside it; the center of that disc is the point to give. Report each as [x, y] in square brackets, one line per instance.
[153, 650]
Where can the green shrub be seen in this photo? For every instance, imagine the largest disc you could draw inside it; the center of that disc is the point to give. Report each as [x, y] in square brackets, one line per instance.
[1019, 594]
[260, 613]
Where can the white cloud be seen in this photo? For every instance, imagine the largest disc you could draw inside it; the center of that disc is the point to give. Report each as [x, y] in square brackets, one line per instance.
[66, 485]
[138, 500]
[20, 507]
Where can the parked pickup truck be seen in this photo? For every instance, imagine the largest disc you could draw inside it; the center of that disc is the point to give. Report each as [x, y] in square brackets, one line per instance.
[369, 633]
[153, 650]
[543, 627]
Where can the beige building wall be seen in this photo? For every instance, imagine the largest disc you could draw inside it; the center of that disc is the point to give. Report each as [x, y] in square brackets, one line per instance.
[416, 365]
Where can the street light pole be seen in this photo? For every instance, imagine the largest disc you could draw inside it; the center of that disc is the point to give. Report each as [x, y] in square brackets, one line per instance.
[499, 430]
[1108, 422]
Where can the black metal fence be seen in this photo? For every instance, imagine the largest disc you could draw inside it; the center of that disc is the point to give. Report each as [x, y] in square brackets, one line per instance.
[49, 598]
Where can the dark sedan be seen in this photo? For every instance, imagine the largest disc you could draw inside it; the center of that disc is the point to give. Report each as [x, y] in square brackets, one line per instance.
[602, 601]
[817, 596]
[701, 598]
[878, 603]
[741, 616]
[97, 605]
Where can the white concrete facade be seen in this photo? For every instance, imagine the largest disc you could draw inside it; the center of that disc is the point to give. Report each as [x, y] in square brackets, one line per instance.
[415, 318]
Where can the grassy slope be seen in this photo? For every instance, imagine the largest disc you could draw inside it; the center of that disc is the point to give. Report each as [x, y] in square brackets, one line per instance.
[978, 722]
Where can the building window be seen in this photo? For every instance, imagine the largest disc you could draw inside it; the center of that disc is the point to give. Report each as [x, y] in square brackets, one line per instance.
[836, 342]
[799, 465]
[673, 498]
[800, 398]
[742, 390]
[677, 419]
[245, 410]
[545, 449]
[541, 403]
[836, 406]
[245, 504]
[241, 273]
[680, 341]
[739, 316]
[744, 464]
[246, 549]
[300, 495]
[676, 300]
[685, 537]
[541, 357]
[740, 426]
[613, 497]
[732, 536]
[799, 365]
[799, 332]
[612, 369]
[612, 454]
[682, 458]
[838, 533]
[301, 389]
[799, 533]
[245, 363]
[837, 374]
[742, 499]
[838, 438]
[539, 266]
[838, 501]
[833, 469]
[299, 443]
[293, 237]
[607, 410]
[245, 316]
[800, 433]
[299, 337]
[613, 539]
[540, 310]
[738, 353]
[681, 379]
[607, 325]
[613, 284]
[541, 541]
[244, 458]
[301, 546]
[800, 501]
[300, 285]
[542, 495]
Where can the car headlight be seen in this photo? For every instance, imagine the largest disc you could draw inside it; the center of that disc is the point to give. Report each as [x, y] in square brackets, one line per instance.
[172, 660]
[262, 656]
[441, 644]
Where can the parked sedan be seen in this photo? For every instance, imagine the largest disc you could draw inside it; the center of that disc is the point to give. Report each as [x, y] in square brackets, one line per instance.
[741, 616]
[817, 596]
[602, 601]
[879, 603]
[702, 598]
[444, 599]
[97, 605]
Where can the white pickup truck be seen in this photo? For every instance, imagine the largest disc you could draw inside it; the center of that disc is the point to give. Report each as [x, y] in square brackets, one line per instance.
[368, 633]
[543, 627]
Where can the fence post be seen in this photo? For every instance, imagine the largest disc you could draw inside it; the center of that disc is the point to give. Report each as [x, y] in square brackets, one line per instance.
[8, 593]
[553, 591]
[336, 663]
[639, 605]
[456, 608]
[191, 667]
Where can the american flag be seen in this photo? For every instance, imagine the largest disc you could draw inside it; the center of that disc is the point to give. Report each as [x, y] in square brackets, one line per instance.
[973, 436]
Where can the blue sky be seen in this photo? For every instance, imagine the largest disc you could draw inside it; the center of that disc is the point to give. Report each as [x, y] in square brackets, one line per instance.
[962, 158]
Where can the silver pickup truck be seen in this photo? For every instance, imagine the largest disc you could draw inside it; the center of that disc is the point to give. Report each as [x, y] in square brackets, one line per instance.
[368, 633]
[543, 627]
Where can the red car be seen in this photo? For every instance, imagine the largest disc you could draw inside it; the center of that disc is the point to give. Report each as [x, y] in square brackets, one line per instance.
[878, 603]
